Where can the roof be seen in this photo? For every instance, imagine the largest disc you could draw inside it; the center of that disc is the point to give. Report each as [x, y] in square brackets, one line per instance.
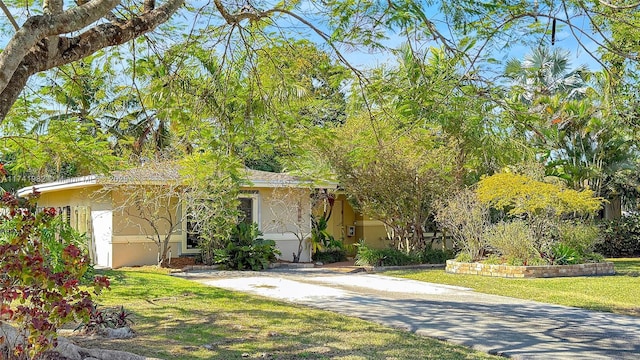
[162, 174]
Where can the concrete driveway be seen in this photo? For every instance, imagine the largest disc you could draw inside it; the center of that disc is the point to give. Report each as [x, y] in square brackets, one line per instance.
[495, 324]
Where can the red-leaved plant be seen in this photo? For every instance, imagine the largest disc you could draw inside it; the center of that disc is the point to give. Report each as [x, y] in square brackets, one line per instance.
[41, 263]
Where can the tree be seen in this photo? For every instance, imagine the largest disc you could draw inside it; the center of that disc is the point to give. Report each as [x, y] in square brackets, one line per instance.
[575, 125]
[211, 200]
[149, 200]
[392, 178]
[59, 34]
[282, 214]
[546, 72]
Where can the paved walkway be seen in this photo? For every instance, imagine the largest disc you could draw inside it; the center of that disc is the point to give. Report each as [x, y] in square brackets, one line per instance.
[495, 324]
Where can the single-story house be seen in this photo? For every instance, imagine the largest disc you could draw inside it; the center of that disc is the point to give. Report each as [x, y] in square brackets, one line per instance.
[96, 205]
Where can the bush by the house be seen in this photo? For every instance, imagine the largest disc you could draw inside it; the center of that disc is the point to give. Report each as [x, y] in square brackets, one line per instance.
[393, 257]
[435, 256]
[330, 256]
[246, 250]
[621, 237]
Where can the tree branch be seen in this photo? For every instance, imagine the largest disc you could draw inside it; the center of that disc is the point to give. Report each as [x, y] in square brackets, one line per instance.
[6, 11]
[36, 59]
[39, 27]
[619, 7]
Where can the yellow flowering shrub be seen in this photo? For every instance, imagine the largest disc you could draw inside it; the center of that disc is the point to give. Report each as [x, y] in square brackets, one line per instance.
[519, 195]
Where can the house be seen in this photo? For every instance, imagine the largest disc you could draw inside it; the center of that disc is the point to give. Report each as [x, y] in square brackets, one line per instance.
[351, 226]
[97, 205]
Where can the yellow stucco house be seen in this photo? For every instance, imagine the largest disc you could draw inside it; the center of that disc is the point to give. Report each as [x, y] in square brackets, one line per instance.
[278, 202]
[351, 226]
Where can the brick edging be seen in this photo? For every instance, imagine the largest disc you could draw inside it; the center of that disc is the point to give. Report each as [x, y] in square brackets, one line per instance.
[538, 271]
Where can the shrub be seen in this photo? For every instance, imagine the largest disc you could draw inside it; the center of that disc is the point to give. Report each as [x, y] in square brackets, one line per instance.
[621, 237]
[330, 256]
[246, 250]
[492, 259]
[384, 257]
[512, 240]
[580, 237]
[435, 256]
[464, 257]
[519, 195]
[466, 219]
[41, 262]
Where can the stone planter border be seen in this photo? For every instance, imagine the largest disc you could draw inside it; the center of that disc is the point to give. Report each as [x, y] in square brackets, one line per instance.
[539, 271]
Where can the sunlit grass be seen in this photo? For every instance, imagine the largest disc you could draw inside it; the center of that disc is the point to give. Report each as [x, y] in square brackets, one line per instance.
[619, 294]
[179, 319]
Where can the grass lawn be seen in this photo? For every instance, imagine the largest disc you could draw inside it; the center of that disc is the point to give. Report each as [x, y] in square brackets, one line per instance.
[619, 294]
[179, 319]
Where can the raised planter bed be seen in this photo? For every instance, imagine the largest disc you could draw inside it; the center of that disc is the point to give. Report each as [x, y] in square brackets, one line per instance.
[538, 271]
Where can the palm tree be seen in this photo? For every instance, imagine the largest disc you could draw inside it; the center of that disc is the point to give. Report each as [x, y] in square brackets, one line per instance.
[579, 134]
[546, 72]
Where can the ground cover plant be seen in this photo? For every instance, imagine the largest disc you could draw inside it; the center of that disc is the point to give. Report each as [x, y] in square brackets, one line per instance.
[179, 319]
[619, 293]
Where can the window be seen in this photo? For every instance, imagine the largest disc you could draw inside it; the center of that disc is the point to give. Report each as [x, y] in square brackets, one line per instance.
[248, 207]
[246, 210]
[193, 235]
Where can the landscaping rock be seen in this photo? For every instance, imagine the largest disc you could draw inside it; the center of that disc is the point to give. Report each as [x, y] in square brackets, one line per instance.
[66, 350]
[119, 333]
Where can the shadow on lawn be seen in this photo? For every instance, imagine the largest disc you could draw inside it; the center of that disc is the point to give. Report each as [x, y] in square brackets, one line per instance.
[192, 321]
[272, 334]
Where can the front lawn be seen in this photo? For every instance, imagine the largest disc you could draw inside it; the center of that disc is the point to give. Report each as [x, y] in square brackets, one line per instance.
[179, 319]
[619, 294]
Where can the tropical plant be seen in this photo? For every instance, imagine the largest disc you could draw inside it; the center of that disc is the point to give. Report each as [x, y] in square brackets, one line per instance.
[582, 237]
[246, 250]
[321, 239]
[546, 72]
[562, 254]
[101, 319]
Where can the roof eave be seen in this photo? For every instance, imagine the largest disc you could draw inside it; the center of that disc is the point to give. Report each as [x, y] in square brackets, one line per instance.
[66, 184]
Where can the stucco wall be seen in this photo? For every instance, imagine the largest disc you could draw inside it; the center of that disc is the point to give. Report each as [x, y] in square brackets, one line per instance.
[128, 220]
[91, 214]
[373, 232]
[137, 253]
[285, 212]
[118, 239]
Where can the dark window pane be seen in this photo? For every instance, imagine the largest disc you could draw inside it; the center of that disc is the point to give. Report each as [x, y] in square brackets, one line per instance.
[193, 235]
[246, 210]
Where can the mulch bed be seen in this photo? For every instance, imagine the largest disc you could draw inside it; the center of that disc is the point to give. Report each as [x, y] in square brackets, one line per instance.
[181, 262]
